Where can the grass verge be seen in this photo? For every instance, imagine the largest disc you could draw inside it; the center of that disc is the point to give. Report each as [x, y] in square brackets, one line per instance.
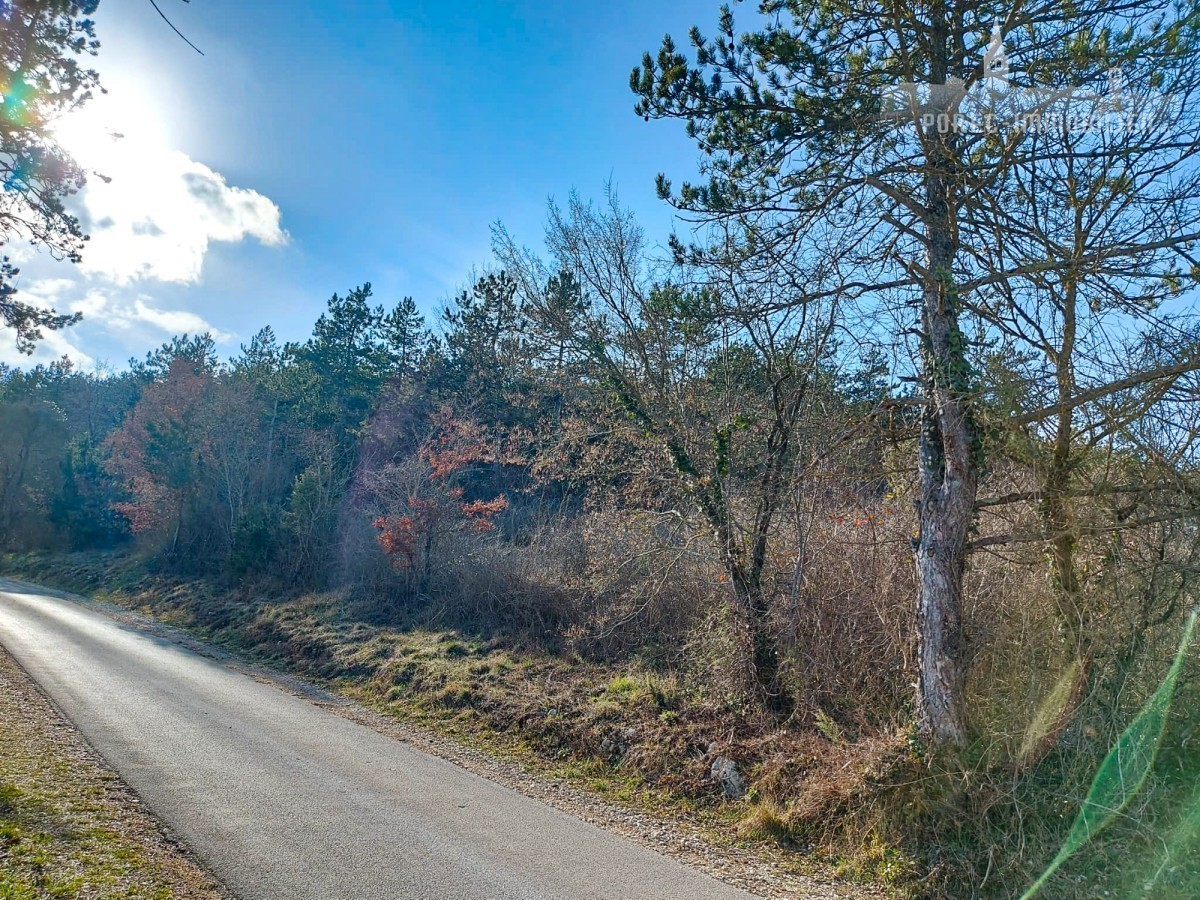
[68, 826]
[627, 733]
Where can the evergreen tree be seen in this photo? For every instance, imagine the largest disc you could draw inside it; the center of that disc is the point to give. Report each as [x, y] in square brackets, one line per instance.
[41, 44]
[405, 337]
[486, 354]
[341, 367]
[839, 137]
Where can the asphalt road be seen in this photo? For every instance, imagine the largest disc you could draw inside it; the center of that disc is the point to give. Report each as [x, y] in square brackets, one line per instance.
[281, 798]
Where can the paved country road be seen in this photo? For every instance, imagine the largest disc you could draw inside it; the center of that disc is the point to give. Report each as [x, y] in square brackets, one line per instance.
[283, 799]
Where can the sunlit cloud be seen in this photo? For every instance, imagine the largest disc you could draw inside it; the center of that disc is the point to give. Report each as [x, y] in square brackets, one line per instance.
[176, 321]
[151, 210]
[138, 313]
[53, 346]
[152, 213]
[45, 293]
[156, 219]
[50, 288]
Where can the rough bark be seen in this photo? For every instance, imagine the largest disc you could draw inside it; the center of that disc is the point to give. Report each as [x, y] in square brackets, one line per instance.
[949, 470]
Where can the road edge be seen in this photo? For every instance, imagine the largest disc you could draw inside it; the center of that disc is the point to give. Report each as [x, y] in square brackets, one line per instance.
[168, 851]
[757, 871]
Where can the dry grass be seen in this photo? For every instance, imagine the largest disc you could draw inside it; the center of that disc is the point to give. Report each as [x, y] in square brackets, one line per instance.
[840, 784]
[628, 730]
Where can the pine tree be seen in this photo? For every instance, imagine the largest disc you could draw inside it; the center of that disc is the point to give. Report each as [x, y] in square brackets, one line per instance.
[405, 337]
[40, 48]
[838, 137]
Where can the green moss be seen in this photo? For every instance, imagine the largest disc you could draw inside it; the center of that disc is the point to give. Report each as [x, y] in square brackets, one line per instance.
[625, 686]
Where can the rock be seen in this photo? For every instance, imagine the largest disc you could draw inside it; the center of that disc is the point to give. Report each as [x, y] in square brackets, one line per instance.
[725, 772]
[611, 749]
[615, 744]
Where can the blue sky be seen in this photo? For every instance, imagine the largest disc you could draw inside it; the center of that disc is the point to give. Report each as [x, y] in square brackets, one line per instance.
[318, 145]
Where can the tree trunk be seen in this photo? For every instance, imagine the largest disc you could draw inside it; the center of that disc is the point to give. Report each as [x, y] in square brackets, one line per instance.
[753, 611]
[762, 648]
[940, 563]
[1061, 531]
[744, 569]
[948, 468]
[1056, 511]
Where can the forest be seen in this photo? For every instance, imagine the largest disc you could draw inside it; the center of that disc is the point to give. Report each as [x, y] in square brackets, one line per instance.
[885, 469]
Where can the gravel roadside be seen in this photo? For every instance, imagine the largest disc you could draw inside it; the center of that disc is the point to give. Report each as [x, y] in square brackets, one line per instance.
[69, 827]
[759, 870]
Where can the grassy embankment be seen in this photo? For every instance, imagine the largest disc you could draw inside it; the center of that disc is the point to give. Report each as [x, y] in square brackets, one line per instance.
[636, 737]
[647, 738]
[68, 826]
[642, 738]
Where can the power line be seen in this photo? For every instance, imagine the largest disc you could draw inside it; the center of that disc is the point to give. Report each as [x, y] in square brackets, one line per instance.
[182, 36]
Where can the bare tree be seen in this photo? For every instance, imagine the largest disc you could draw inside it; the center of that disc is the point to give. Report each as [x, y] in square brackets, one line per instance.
[700, 362]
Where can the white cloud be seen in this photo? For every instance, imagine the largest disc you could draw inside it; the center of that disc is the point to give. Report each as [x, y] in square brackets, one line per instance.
[152, 211]
[45, 294]
[157, 216]
[49, 288]
[117, 311]
[92, 304]
[133, 320]
[176, 321]
[53, 346]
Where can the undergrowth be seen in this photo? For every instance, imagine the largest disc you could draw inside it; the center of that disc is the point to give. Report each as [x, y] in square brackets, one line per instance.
[872, 804]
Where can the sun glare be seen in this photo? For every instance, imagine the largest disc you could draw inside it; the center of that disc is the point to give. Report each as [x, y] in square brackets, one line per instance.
[111, 128]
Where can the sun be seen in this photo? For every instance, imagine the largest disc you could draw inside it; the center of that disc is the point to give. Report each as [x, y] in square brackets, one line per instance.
[110, 128]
